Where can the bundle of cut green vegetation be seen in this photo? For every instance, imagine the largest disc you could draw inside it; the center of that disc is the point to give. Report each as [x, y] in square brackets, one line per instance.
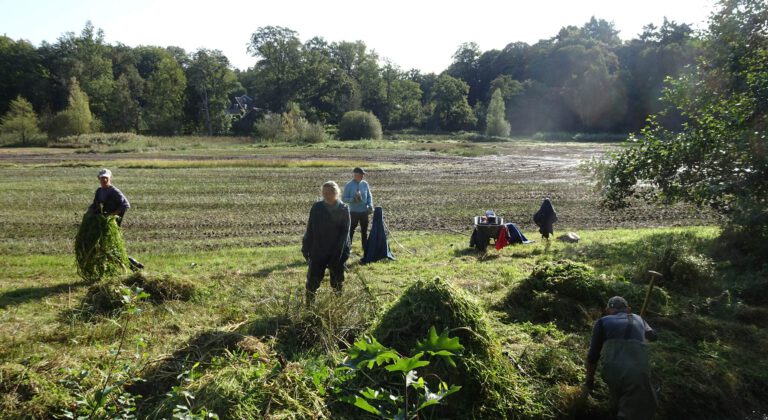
[571, 294]
[491, 387]
[100, 248]
[106, 297]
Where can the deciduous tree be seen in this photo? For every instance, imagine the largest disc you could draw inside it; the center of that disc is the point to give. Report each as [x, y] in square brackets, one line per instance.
[165, 97]
[719, 157]
[451, 109]
[211, 81]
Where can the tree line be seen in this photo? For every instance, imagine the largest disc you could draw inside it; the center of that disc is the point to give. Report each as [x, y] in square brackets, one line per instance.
[584, 79]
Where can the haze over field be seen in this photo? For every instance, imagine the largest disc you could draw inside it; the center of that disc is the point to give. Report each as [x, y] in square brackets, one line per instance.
[422, 35]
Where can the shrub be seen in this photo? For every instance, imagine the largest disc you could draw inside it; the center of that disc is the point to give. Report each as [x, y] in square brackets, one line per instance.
[312, 133]
[270, 127]
[290, 127]
[357, 125]
[744, 241]
[76, 118]
[108, 139]
[683, 269]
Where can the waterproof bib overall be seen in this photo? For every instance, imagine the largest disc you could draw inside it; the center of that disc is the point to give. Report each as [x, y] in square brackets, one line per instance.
[626, 371]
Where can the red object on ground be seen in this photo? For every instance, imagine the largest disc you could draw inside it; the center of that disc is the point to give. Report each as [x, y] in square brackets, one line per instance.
[501, 241]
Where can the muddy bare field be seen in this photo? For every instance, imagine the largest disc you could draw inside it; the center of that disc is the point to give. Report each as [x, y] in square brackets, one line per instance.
[44, 192]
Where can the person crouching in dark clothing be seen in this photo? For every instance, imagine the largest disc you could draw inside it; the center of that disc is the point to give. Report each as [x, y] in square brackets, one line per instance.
[109, 200]
[620, 338]
[326, 243]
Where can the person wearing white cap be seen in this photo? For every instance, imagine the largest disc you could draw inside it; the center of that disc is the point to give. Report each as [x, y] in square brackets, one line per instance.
[620, 337]
[109, 200]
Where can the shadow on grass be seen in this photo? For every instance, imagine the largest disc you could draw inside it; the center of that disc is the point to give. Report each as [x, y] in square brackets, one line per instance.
[158, 379]
[277, 267]
[489, 255]
[26, 294]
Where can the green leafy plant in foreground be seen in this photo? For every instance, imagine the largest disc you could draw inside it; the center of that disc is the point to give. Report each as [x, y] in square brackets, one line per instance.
[410, 393]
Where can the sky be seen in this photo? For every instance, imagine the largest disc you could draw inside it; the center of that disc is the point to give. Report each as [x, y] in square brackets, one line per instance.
[420, 34]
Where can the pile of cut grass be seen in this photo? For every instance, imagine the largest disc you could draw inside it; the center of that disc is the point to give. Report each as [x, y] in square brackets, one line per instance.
[100, 248]
[25, 393]
[491, 387]
[572, 295]
[241, 387]
[106, 297]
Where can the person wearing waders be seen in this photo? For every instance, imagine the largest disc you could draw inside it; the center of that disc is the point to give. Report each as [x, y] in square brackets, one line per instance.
[110, 201]
[326, 242]
[357, 193]
[620, 338]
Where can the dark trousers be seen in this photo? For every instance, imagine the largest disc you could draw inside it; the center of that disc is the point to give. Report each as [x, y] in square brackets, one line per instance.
[316, 272]
[362, 218]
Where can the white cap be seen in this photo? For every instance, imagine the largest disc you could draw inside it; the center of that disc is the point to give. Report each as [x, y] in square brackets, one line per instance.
[105, 173]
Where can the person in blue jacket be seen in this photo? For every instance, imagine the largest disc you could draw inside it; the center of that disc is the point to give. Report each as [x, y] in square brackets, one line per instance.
[357, 194]
[326, 241]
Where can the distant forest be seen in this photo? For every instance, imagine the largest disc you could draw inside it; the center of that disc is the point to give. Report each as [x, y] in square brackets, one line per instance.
[584, 79]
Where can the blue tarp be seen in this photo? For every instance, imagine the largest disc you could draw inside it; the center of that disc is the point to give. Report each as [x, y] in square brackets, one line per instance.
[514, 236]
[377, 247]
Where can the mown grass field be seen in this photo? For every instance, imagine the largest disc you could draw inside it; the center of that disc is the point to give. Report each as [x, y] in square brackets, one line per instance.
[226, 217]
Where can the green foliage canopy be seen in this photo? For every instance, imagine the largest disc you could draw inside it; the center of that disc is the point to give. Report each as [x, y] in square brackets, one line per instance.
[719, 158]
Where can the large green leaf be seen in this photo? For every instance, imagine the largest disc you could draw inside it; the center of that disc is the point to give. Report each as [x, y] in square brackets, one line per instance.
[441, 345]
[369, 352]
[407, 364]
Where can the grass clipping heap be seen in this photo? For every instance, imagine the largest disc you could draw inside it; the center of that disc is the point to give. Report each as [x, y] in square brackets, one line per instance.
[100, 248]
[491, 387]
